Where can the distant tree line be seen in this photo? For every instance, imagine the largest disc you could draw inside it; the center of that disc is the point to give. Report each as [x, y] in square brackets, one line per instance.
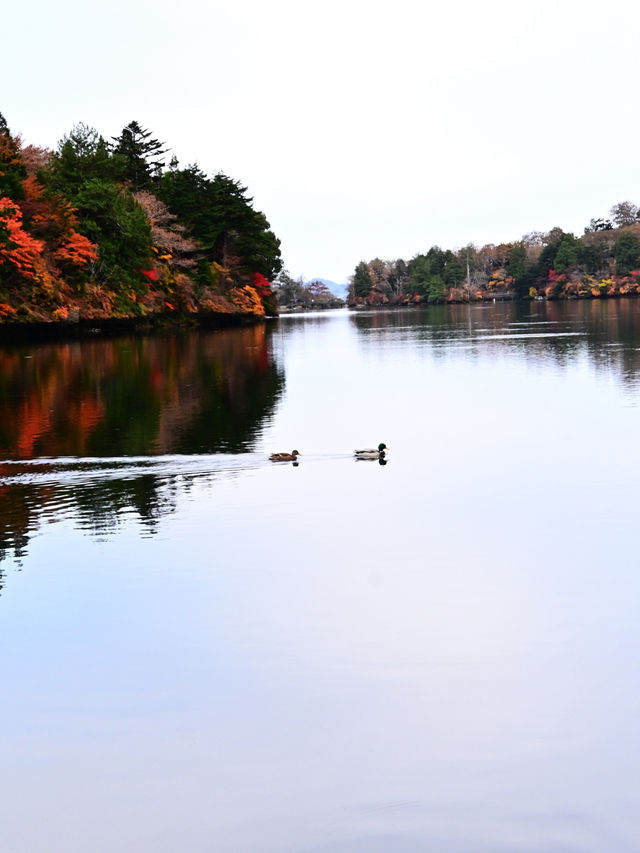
[106, 228]
[293, 294]
[604, 261]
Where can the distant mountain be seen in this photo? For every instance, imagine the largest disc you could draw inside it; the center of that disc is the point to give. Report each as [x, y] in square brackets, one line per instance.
[339, 290]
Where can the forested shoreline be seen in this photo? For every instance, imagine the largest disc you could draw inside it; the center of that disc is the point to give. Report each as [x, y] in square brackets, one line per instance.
[602, 262]
[102, 232]
[106, 233]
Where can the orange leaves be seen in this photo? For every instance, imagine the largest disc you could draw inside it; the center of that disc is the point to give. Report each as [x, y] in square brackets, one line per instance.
[61, 313]
[48, 216]
[246, 301]
[77, 250]
[33, 189]
[52, 218]
[16, 246]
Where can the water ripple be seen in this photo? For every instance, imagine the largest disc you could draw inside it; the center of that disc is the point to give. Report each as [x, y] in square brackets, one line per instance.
[73, 471]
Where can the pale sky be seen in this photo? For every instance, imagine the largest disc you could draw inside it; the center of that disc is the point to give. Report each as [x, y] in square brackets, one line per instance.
[361, 129]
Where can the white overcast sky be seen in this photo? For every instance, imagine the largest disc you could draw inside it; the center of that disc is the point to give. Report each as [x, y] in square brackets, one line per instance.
[361, 129]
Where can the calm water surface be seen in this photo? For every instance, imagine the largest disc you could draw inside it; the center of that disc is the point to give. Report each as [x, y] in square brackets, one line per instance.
[204, 651]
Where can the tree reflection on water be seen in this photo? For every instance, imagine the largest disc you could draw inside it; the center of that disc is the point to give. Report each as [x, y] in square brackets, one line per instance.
[143, 397]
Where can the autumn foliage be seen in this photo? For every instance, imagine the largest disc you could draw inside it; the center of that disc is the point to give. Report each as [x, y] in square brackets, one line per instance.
[17, 247]
[96, 230]
[76, 250]
[603, 262]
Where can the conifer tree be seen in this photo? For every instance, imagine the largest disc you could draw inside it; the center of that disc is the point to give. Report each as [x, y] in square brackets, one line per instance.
[362, 280]
[138, 156]
[223, 220]
[12, 169]
[82, 155]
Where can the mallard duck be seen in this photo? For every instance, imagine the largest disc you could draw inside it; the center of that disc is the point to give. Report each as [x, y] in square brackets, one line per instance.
[371, 453]
[285, 457]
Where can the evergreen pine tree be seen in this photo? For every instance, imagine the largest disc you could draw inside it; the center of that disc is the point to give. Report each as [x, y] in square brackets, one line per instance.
[138, 156]
[12, 169]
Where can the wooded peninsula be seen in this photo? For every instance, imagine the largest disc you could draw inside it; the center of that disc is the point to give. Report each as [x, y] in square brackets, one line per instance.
[101, 231]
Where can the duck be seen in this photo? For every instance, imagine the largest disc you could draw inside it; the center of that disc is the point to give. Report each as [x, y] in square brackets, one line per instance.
[371, 453]
[285, 457]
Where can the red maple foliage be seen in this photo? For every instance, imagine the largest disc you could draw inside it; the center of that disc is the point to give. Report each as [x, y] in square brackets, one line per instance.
[262, 285]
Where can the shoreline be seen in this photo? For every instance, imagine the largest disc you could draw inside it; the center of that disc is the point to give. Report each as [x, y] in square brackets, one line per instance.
[86, 328]
[24, 332]
[495, 298]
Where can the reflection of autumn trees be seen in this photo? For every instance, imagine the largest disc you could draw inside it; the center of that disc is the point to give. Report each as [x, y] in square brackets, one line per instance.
[199, 393]
[202, 392]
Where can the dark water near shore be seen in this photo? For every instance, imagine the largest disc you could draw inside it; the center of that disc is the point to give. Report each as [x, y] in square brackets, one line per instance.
[205, 651]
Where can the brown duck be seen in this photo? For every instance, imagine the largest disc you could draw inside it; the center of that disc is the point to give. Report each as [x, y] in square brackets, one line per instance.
[285, 457]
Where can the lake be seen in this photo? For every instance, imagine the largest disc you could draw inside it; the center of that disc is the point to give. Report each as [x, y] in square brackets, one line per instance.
[206, 651]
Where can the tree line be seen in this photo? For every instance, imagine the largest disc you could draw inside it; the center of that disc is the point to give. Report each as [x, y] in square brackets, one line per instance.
[603, 261]
[293, 294]
[107, 228]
